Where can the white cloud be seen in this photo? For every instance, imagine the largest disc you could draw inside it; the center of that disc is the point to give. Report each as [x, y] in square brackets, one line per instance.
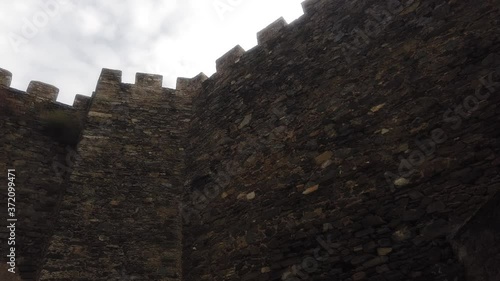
[90, 22]
[70, 41]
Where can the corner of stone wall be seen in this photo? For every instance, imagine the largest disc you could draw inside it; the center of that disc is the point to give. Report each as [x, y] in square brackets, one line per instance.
[109, 80]
[146, 80]
[190, 87]
[229, 58]
[82, 102]
[271, 31]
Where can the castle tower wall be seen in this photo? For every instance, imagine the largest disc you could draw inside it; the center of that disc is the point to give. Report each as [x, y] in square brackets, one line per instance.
[37, 135]
[304, 163]
[120, 216]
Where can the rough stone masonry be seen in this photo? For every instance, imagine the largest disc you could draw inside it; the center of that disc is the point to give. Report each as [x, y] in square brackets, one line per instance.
[359, 142]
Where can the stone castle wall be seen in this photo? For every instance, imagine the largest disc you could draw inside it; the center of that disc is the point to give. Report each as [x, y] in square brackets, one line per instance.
[84, 189]
[36, 144]
[351, 144]
[119, 216]
[332, 152]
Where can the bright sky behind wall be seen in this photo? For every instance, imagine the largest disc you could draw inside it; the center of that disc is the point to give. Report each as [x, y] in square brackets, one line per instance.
[66, 43]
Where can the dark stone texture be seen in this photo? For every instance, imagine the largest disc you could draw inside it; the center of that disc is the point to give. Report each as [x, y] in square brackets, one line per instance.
[477, 243]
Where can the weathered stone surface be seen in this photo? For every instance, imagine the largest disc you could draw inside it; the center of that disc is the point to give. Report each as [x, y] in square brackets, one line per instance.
[271, 31]
[437, 206]
[359, 276]
[311, 189]
[33, 142]
[477, 243]
[322, 158]
[328, 82]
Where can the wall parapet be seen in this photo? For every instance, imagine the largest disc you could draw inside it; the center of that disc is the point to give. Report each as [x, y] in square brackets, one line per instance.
[148, 80]
[271, 31]
[109, 78]
[190, 86]
[43, 91]
[38, 104]
[229, 58]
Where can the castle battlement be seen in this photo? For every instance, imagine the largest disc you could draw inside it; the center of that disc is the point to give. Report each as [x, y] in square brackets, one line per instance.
[365, 148]
[42, 91]
[228, 59]
[40, 96]
[5, 78]
[110, 80]
[312, 6]
[190, 86]
[148, 80]
[272, 31]
[81, 102]
[37, 96]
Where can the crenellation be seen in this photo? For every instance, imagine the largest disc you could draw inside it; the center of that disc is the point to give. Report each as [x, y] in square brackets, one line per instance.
[82, 102]
[311, 6]
[43, 91]
[5, 78]
[109, 79]
[190, 86]
[108, 88]
[110, 75]
[271, 31]
[148, 80]
[229, 58]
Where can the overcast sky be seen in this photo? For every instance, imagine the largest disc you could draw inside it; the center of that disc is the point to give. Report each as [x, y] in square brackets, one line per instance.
[66, 43]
